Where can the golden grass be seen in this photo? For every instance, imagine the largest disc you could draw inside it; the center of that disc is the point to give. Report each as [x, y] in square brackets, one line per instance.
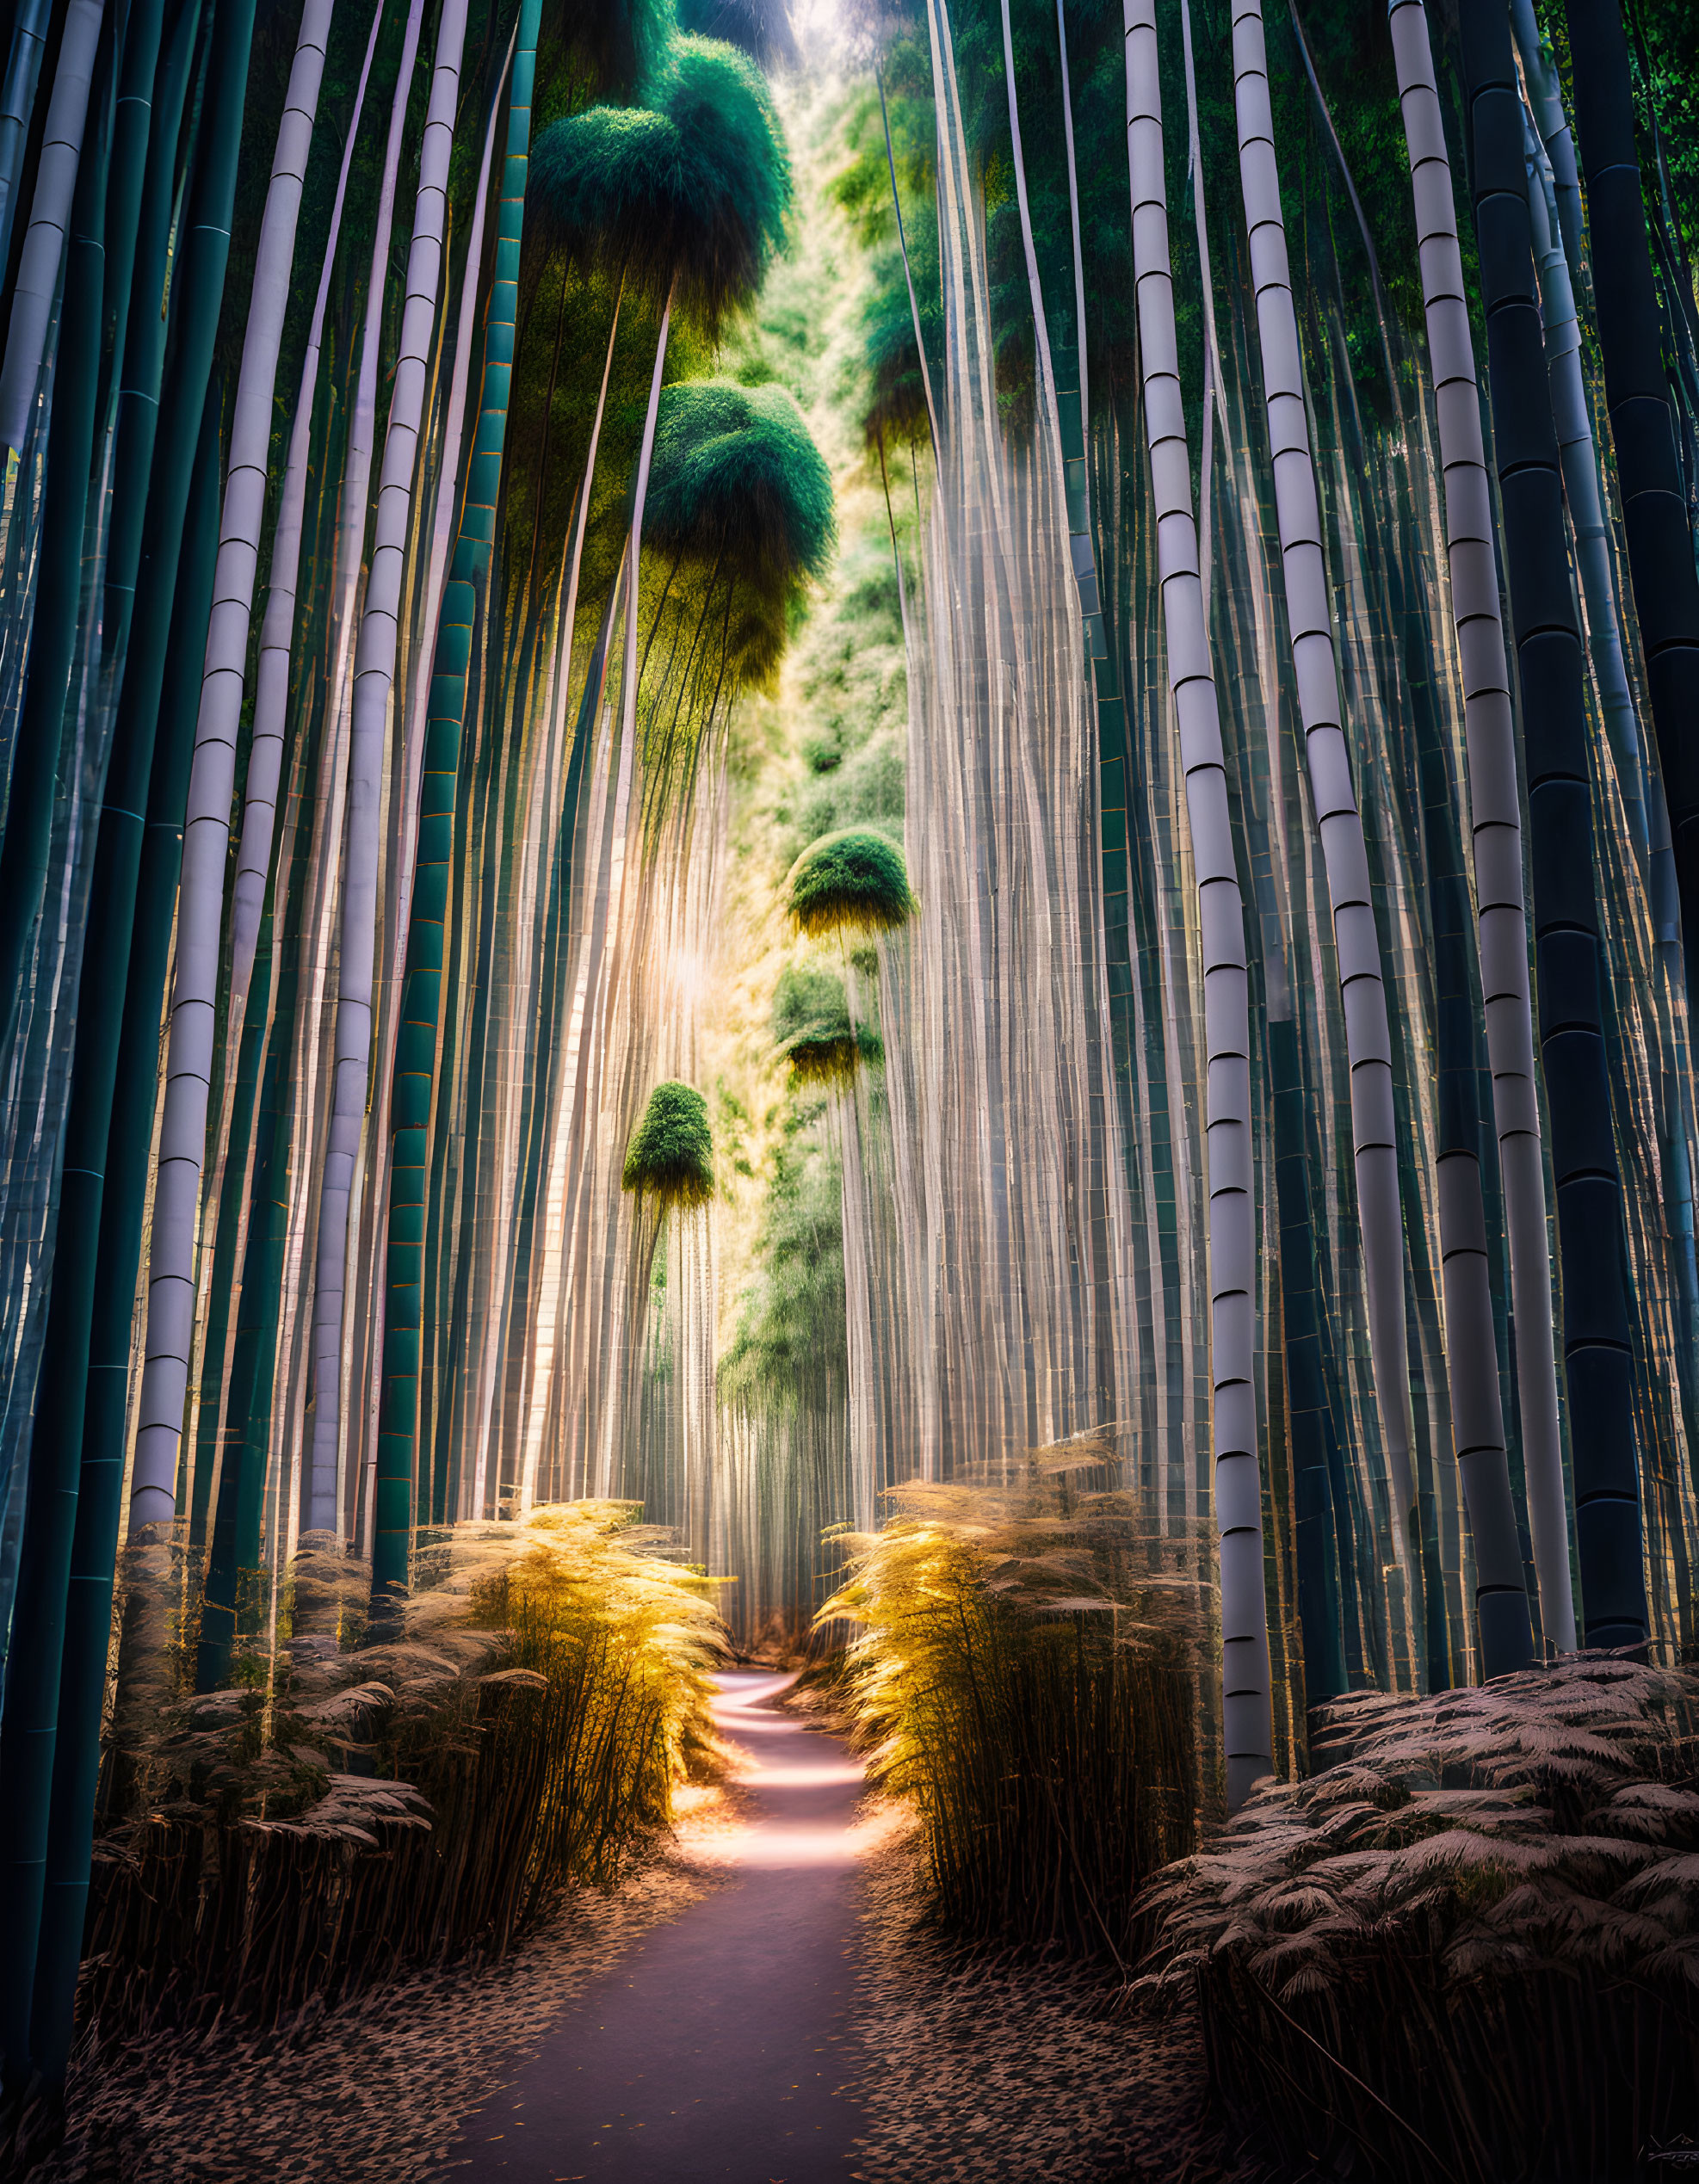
[346, 1810]
[1028, 1676]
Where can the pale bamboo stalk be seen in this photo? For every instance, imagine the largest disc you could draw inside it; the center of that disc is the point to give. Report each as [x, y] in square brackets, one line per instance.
[277, 630]
[374, 679]
[1495, 815]
[315, 1035]
[38, 278]
[194, 1013]
[1212, 347]
[17, 97]
[422, 650]
[1232, 1225]
[270, 718]
[1338, 819]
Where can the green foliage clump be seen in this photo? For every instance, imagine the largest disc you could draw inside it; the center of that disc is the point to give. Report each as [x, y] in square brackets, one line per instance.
[1501, 1881]
[615, 48]
[670, 1156]
[738, 482]
[813, 1026]
[369, 1809]
[1027, 1675]
[855, 881]
[688, 196]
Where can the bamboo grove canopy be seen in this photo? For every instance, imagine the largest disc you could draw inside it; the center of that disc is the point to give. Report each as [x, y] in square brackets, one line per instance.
[748, 764]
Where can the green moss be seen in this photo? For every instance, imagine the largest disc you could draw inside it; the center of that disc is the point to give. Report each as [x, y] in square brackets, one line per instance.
[670, 1156]
[855, 881]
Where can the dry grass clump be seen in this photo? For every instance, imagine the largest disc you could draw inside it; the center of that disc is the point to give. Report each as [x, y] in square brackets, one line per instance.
[1469, 1948]
[1029, 1676]
[339, 1814]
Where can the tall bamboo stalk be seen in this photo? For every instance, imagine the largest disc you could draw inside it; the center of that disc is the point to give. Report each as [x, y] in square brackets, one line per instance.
[49, 218]
[374, 678]
[138, 358]
[77, 1753]
[206, 843]
[59, 591]
[1501, 937]
[1232, 1242]
[421, 1012]
[1337, 817]
[1545, 94]
[28, 1730]
[17, 96]
[1661, 566]
[1573, 979]
[1580, 460]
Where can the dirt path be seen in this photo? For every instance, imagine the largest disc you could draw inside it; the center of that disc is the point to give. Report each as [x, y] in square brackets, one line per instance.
[720, 2046]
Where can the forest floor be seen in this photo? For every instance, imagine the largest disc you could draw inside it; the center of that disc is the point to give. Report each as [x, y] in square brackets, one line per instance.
[762, 2003]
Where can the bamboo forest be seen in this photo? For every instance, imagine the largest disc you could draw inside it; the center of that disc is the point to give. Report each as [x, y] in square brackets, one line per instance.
[848, 1297]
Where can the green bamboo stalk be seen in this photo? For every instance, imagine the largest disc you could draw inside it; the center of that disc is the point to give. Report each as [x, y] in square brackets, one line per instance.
[17, 96]
[100, 1489]
[141, 336]
[29, 1732]
[59, 591]
[421, 1010]
[44, 240]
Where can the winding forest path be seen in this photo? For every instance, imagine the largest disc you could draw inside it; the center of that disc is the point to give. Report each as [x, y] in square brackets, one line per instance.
[720, 2046]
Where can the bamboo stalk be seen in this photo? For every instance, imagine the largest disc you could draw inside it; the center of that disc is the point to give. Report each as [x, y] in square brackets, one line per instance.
[1338, 816]
[1574, 978]
[1239, 1511]
[421, 1012]
[44, 242]
[29, 1731]
[206, 845]
[1495, 814]
[374, 678]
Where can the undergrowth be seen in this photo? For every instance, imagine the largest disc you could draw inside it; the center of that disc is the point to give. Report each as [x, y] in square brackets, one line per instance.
[1027, 1675]
[1468, 1947]
[344, 1810]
